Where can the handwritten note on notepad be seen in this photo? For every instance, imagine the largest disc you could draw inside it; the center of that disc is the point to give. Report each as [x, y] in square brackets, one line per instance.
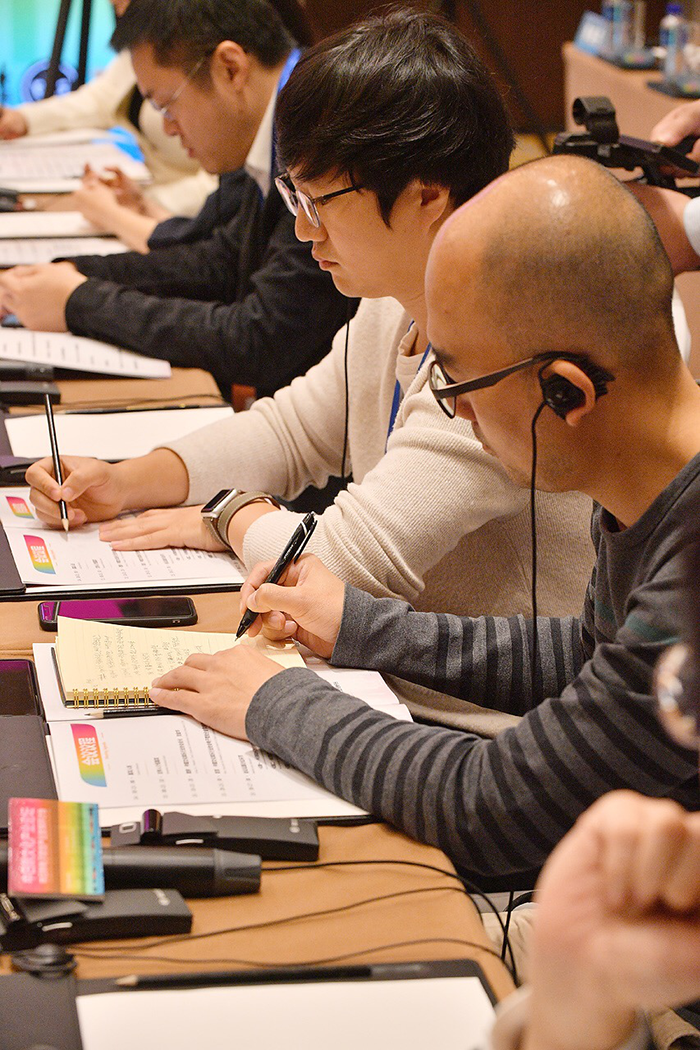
[110, 665]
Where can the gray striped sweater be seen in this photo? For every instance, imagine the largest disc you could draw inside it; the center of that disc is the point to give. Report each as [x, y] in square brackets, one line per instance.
[498, 807]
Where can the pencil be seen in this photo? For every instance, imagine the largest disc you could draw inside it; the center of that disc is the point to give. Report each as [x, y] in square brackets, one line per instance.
[58, 473]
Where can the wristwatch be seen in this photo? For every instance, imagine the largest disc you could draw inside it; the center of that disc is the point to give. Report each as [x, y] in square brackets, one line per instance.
[220, 509]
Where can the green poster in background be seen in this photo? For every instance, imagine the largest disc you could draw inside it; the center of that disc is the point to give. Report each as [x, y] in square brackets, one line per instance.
[27, 29]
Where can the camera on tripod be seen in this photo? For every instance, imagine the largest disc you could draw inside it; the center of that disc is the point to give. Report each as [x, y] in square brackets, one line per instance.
[602, 142]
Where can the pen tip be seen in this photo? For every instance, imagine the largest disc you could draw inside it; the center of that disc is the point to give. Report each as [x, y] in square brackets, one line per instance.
[64, 522]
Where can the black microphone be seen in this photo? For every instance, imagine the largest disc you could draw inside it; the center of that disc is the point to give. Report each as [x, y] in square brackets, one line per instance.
[195, 872]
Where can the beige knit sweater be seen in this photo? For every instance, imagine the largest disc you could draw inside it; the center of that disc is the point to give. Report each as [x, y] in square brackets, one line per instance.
[434, 520]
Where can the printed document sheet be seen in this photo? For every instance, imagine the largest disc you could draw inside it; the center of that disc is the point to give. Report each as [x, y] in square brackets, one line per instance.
[170, 761]
[33, 224]
[61, 166]
[109, 435]
[63, 350]
[81, 561]
[36, 252]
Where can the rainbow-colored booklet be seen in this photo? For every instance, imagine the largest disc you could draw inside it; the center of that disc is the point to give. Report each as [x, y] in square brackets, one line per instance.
[55, 849]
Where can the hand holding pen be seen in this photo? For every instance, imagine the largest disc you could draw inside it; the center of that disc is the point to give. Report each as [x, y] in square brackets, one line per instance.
[58, 473]
[300, 537]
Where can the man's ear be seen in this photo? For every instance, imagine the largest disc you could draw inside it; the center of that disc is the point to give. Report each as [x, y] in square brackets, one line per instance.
[435, 199]
[580, 384]
[230, 66]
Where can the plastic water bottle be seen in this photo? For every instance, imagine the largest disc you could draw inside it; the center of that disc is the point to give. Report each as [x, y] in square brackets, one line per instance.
[673, 35]
[621, 27]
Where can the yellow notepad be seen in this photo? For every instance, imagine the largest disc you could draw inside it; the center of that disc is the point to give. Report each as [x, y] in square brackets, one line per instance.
[110, 665]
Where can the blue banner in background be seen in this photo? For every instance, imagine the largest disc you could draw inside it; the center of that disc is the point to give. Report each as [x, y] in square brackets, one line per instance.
[27, 29]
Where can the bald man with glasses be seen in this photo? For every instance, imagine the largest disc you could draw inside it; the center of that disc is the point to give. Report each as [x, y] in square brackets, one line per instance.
[616, 413]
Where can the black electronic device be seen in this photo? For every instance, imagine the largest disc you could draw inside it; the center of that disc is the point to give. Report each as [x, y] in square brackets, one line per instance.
[121, 913]
[272, 838]
[13, 470]
[19, 692]
[25, 767]
[168, 611]
[192, 872]
[660, 165]
[9, 199]
[26, 393]
[26, 370]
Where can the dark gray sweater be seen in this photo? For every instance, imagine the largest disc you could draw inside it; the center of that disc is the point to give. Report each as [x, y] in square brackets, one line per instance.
[498, 807]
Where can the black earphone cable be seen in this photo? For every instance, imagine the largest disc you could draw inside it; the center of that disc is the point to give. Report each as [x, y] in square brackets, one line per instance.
[533, 551]
[343, 475]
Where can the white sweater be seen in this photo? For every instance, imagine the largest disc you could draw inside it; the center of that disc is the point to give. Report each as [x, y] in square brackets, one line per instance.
[435, 519]
[179, 183]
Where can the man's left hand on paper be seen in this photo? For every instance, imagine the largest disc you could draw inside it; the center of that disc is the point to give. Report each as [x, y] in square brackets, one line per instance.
[37, 295]
[216, 690]
[155, 529]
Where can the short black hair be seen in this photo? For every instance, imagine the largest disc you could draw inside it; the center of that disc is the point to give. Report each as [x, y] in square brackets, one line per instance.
[182, 31]
[397, 97]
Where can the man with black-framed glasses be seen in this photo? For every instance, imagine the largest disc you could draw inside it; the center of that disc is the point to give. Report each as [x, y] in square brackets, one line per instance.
[246, 301]
[549, 299]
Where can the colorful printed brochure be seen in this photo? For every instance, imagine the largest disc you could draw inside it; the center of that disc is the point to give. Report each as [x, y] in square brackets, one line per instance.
[55, 849]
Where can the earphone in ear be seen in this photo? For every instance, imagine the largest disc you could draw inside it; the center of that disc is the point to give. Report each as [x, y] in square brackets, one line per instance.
[561, 395]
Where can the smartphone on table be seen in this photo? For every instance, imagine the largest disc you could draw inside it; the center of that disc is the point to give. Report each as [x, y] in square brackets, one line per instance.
[167, 611]
[19, 692]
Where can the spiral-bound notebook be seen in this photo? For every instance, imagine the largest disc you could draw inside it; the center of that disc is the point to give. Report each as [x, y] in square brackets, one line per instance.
[110, 666]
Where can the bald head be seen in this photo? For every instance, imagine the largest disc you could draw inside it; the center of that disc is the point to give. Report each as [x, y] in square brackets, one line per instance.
[559, 255]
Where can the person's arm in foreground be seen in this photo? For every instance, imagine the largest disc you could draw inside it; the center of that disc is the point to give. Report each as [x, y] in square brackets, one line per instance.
[617, 930]
[182, 304]
[496, 807]
[676, 218]
[679, 123]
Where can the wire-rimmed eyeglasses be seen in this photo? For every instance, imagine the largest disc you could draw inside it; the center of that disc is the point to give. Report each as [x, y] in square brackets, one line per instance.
[165, 107]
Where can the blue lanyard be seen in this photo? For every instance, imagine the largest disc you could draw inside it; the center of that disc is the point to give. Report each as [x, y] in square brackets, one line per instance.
[397, 395]
[289, 65]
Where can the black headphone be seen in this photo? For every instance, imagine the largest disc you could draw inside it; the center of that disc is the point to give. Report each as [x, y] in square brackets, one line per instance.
[561, 395]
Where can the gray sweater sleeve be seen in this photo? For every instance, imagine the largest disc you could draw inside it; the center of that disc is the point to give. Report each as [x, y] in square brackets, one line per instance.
[496, 807]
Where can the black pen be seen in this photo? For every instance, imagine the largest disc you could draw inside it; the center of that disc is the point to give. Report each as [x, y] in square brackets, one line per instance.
[300, 537]
[58, 473]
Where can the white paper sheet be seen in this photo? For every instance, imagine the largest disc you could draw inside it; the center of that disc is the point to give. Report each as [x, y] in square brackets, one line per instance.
[48, 558]
[26, 167]
[40, 251]
[45, 224]
[112, 435]
[438, 1012]
[63, 350]
[67, 137]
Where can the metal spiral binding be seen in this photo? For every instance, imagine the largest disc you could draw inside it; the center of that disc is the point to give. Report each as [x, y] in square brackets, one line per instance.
[106, 697]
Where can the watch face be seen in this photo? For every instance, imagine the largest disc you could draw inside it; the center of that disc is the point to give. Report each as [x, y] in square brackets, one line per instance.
[213, 503]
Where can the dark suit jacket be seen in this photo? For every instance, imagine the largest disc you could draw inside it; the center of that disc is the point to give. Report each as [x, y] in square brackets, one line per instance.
[248, 304]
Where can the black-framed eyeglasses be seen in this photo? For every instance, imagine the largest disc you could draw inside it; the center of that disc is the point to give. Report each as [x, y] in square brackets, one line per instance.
[446, 391]
[681, 724]
[165, 107]
[295, 199]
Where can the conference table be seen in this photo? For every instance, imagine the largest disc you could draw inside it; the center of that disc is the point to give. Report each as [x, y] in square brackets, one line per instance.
[383, 907]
